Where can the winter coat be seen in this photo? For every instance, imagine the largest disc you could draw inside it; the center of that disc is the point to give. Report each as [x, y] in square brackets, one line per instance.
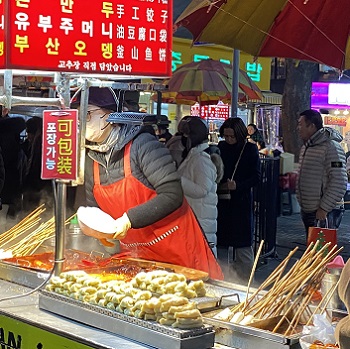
[14, 158]
[322, 174]
[198, 175]
[258, 139]
[235, 216]
[176, 148]
[152, 164]
[2, 172]
[214, 153]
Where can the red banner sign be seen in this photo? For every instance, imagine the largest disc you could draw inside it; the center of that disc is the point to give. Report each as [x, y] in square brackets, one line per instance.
[59, 155]
[2, 34]
[127, 37]
[335, 120]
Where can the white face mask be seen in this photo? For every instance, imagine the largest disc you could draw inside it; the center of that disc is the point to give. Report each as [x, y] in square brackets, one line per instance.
[97, 129]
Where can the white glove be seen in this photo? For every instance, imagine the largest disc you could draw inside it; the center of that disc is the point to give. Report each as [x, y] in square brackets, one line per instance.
[122, 225]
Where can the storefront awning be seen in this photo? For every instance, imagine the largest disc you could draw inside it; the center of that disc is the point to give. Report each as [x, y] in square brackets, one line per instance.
[269, 98]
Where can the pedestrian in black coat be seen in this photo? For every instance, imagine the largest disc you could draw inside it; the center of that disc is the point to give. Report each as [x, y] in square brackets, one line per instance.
[14, 162]
[2, 174]
[235, 216]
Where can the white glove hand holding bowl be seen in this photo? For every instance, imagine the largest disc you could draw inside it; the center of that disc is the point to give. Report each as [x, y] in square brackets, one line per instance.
[100, 225]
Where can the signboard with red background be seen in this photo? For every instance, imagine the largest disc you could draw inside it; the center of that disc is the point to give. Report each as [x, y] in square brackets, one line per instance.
[59, 156]
[335, 120]
[123, 37]
[2, 34]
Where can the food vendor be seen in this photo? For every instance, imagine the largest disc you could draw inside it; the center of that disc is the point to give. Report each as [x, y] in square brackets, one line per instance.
[131, 176]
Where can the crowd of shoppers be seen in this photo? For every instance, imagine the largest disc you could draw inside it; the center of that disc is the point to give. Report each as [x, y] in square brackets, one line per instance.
[175, 181]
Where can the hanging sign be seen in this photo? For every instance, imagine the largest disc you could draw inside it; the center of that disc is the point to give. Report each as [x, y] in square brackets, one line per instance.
[128, 37]
[220, 111]
[59, 149]
[2, 34]
[335, 120]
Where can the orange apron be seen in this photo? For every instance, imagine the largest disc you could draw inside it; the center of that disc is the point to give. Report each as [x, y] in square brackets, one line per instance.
[176, 239]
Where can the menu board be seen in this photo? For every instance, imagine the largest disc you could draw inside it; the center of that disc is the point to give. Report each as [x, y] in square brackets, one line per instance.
[123, 37]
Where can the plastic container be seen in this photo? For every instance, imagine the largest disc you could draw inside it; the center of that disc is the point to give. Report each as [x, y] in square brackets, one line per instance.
[328, 281]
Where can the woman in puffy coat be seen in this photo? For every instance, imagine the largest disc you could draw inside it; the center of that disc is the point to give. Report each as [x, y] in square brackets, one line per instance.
[199, 176]
[131, 176]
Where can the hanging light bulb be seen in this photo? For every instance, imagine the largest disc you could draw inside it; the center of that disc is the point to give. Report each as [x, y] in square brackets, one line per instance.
[346, 112]
[336, 112]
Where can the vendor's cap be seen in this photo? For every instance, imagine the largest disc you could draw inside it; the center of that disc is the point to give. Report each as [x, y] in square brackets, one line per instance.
[132, 118]
[103, 97]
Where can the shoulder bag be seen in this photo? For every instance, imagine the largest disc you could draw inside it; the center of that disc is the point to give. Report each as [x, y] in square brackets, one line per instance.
[223, 191]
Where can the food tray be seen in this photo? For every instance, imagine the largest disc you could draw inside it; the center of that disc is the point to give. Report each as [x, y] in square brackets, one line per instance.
[239, 336]
[242, 337]
[22, 276]
[146, 332]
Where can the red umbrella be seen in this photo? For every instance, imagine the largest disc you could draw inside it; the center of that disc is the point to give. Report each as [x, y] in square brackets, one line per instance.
[209, 81]
[312, 30]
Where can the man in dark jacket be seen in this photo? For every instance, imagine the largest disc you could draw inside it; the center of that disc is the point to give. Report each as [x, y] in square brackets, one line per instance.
[2, 175]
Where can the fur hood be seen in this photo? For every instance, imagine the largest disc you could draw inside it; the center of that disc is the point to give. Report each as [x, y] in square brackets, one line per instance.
[217, 161]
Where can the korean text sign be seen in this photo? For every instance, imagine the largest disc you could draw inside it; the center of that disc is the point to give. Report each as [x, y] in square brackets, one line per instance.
[123, 37]
[59, 149]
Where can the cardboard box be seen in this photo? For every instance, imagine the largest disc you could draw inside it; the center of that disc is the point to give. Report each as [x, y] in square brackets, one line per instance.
[286, 163]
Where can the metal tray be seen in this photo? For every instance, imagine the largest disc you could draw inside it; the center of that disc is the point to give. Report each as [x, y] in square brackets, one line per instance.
[239, 336]
[146, 332]
[242, 337]
[22, 276]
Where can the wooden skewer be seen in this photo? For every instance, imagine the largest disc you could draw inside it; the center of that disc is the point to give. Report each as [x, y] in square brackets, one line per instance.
[274, 276]
[329, 296]
[253, 271]
[325, 300]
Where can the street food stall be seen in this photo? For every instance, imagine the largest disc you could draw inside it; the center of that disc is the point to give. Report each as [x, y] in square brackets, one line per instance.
[81, 299]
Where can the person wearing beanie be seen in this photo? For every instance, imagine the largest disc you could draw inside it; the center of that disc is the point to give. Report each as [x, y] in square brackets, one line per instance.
[199, 175]
[131, 176]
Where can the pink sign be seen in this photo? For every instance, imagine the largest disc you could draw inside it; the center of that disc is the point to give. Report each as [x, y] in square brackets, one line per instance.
[124, 37]
[219, 111]
[2, 34]
[59, 149]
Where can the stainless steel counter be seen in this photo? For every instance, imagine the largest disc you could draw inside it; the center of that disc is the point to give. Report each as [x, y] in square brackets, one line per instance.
[26, 310]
